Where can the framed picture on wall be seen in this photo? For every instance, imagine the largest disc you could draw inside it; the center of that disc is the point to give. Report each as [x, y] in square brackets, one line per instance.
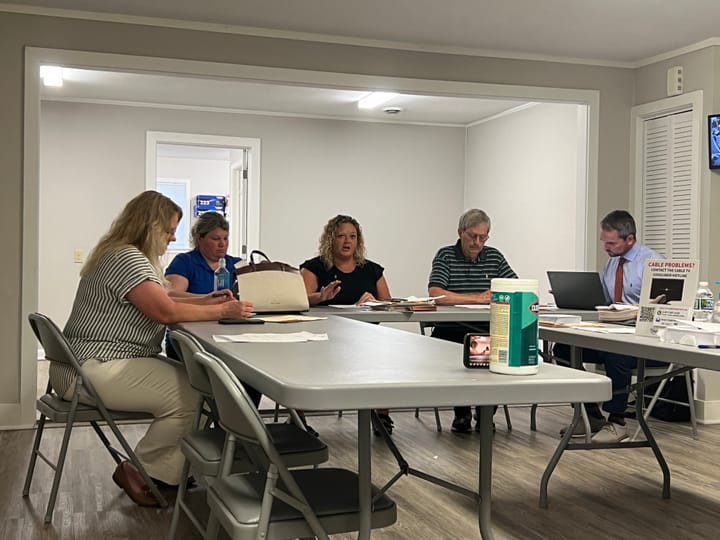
[714, 140]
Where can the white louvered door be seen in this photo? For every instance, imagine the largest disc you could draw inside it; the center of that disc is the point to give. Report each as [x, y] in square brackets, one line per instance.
[670, 188]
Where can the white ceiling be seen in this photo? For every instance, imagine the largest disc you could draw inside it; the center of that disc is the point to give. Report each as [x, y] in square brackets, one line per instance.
[227, 95]
[609, 32]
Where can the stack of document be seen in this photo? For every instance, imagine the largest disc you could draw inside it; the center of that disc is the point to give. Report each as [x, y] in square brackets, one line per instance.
[558, 319]
[411, 303]
[617, 312]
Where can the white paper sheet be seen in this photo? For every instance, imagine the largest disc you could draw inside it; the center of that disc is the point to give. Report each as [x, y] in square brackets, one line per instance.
[289, 318]
[609, 329]
[294, 337]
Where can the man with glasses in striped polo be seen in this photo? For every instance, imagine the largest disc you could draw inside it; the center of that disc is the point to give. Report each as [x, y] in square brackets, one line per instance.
[461, 273]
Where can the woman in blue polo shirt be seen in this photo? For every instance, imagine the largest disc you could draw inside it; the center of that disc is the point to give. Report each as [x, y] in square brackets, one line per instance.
[192, 273]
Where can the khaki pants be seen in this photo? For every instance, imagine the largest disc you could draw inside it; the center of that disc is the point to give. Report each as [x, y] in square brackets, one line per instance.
[155, 386]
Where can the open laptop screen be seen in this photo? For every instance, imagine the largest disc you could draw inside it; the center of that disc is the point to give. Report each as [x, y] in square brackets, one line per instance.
[577, 290]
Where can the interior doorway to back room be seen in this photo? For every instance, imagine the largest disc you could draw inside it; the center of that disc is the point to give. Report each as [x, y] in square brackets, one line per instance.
[201, 174]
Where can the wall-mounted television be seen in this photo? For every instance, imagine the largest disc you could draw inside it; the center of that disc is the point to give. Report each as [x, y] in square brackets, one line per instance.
[714, 140]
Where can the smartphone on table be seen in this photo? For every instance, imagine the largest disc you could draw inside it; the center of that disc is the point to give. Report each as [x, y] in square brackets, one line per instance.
[476, 351]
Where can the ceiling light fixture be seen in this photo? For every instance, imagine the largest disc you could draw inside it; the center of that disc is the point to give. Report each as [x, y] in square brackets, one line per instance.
[392, 110]
[51, 75]
[373, 99]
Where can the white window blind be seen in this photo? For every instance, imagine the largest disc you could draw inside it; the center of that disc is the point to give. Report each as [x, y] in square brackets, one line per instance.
[669, 188]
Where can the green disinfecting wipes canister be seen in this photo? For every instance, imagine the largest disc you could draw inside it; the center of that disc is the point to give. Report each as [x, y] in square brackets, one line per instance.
[514, 326]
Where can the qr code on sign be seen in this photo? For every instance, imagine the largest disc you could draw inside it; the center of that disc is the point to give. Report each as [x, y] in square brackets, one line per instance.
[647, 314]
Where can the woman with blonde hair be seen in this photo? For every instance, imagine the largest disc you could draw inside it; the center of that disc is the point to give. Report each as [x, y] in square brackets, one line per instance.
[341, 274]
[116, 328]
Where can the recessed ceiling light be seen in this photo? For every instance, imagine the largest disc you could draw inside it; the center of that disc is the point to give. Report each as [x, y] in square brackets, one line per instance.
[373, 99]
[51, 75]
[392, 110]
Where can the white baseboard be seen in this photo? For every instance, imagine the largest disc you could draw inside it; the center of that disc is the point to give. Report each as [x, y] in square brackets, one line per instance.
[707, 412]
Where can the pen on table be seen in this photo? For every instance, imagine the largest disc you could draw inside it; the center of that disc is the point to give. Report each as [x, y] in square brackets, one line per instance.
[708, 346]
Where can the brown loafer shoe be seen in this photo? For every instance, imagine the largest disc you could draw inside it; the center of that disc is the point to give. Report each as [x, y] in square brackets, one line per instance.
[129, 479]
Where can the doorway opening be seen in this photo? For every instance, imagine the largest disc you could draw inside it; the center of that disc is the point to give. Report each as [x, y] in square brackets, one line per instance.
[208, 172]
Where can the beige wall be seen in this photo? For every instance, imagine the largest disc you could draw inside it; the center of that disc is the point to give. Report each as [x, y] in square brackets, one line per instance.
[700, 72]
[615, 88]
[93, 159]
[523, 170]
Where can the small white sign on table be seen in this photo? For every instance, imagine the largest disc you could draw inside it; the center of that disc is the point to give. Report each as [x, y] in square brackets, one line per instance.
[667, 294]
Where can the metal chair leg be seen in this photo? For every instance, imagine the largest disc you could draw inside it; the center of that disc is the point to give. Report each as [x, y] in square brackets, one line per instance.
[182, 488]
[533, 417]
[437, 420]
[34, 455]
[691, 403]
[60, 464]
[132, 457]
[507, 417]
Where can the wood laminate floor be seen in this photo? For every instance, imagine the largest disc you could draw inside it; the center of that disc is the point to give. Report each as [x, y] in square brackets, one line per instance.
[593, 494]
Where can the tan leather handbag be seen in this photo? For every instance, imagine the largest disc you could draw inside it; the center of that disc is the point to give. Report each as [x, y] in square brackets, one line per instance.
[272, 286]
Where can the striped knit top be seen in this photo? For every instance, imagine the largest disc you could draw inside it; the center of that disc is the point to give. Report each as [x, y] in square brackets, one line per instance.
[103, 324]
[453, 272]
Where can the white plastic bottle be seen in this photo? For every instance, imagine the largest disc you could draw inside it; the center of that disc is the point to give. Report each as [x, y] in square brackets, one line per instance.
[514, 326]
[704, 303]
[716, 313]
[221, 280]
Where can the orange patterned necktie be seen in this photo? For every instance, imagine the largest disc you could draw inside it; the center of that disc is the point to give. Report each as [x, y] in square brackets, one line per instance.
[617, 297]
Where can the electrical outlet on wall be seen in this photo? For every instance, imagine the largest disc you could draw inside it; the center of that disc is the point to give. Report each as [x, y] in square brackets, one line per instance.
[79, 256]
[675, 81]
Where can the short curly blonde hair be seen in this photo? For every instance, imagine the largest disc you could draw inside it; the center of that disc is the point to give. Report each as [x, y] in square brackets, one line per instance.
[328, 235]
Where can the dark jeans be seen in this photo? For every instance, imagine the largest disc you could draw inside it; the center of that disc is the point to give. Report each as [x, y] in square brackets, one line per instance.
[618, 368]
[456, 333]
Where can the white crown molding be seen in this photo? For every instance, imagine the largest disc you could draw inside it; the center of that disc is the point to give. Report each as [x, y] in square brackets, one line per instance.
[232, 110]
[711, 42]
[504, 113]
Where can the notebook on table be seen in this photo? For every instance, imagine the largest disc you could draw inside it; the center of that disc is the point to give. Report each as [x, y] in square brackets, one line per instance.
[577, 290]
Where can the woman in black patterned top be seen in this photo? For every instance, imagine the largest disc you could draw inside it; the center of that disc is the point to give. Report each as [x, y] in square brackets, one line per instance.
[116, 328]
[341, 274]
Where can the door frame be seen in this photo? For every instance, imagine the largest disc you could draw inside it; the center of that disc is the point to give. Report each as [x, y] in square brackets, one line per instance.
[22, 413]
[251, 229]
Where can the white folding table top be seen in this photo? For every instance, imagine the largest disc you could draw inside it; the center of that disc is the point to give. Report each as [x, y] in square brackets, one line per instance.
[363, 366]
[650, 348]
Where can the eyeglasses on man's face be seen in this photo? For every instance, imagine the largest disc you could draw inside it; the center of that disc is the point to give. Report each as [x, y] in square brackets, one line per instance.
[476, 237]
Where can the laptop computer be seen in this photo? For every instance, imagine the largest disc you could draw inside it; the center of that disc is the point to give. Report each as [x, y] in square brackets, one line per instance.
[577, 290]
